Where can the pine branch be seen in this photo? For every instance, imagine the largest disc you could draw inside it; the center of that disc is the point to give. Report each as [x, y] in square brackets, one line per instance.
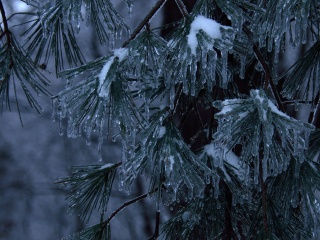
[268, 77]
[145, 21]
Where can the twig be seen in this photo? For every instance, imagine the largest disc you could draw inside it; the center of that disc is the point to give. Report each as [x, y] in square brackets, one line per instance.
[268, 79]
[127, 204]
[145, 21]
[182, 7]
[18, 13]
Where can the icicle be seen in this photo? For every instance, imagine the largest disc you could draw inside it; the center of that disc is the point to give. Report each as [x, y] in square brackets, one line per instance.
[88, 131]
[172, 97]
[212, 55]
[304, 23]
[70, 128]
[60, 124]
[295, 197]
[146, 106]
[190, 193]
[100, 142]
[242, 66]
[224, 56]
[193, 75]
[130, 7]
[53, 109]
[306, 139]
[296, 105]
[296, 170]
[265, 164]
[270, 44]
[296, 141]
[216, 187]
[277, 45]
[297, 30]
[256, 172]
[286, 217]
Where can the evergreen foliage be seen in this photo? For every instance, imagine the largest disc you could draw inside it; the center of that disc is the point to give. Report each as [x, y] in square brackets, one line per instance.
[250, 170]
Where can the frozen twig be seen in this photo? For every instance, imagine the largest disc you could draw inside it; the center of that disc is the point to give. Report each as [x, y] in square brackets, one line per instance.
[145, 21]
[127, 204]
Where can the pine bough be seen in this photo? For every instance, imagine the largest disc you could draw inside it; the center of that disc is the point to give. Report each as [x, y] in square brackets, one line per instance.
[249, 171]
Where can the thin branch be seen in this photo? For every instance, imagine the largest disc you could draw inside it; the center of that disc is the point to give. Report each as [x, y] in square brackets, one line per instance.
[145, 21]
[127, 204]
[182, 7]
[18, 13]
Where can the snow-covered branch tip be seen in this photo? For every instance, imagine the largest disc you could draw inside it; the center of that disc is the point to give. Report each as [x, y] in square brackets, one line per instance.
[207, 25]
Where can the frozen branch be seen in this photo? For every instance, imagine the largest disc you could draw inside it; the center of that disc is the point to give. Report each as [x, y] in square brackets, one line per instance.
[268, 79]
[127, 204]
[145, 21]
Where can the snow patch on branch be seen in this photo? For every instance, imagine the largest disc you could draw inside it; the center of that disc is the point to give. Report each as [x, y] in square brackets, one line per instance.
[162, 132]
[228, 157]
[119, 54]
[209, 26]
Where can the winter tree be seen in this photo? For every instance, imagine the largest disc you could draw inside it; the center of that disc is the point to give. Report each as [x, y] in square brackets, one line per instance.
[224, 132]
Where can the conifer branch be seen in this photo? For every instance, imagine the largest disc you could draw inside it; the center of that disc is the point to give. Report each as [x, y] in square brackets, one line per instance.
[268, 78]
[145, 21]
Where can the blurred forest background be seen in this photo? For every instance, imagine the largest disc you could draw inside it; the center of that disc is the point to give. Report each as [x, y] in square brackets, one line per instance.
[34, 156]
